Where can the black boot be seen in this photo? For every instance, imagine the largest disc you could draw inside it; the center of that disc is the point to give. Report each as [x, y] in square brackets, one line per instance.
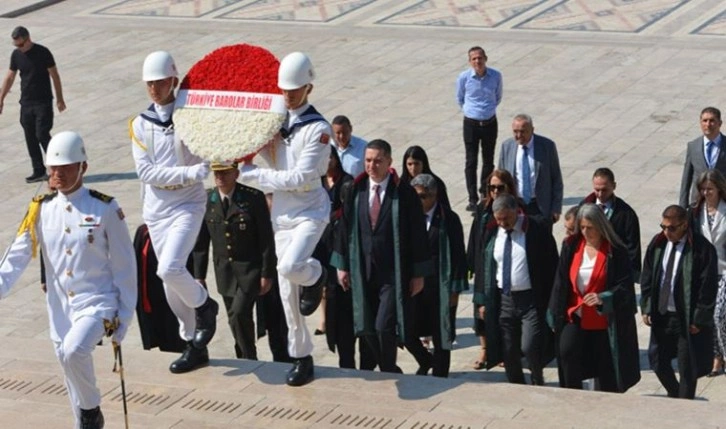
[191, 359]
[92, 419]
[310, 296]
[206, 323]
[302, 372]
[37, 176]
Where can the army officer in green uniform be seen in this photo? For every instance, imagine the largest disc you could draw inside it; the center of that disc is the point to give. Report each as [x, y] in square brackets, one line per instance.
[237, 222]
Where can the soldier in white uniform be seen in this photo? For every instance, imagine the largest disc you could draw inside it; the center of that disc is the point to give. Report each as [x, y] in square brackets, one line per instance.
[90, 269]
[174, 202]
[300, 207]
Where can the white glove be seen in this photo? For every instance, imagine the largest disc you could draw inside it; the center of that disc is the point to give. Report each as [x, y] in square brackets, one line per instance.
[197, 173]
[119, 333]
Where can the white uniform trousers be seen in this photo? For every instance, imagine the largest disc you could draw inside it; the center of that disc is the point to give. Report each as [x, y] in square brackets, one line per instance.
[173, 240]
[74, 353]
[295, 267]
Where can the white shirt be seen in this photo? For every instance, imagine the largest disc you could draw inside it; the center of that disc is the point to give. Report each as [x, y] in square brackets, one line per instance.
[300, 160]
[352, 158]
[520, 269]
[664, 265]
[157, 165]
[430, 216]
[381, 191]
[608, 206]
[518, 166]
[90, 266]
[585, 272]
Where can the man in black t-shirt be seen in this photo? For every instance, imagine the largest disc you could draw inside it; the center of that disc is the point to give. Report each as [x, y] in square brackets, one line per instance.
[37, 68]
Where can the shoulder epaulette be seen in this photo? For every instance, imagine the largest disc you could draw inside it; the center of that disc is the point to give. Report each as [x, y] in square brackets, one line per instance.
[98, 195]
[44, 197]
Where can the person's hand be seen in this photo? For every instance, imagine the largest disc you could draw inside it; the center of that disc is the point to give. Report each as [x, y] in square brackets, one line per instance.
[61, 105]
[119, 333]
[344, 279]
[416, 285]
[592, 299]
[693, 329]
[646, 319]
[482, 312]
[555, 217]
[198, 172]
[265, 285]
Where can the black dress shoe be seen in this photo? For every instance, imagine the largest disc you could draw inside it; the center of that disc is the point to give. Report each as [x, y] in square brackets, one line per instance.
[424, 369]
[206, 323]
[302, 372]
[38, 176]
[92, 419]
[191, 359]
[471, 207]
[311, 296]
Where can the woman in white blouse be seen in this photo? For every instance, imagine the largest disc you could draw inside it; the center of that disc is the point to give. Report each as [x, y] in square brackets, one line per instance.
[708, 217]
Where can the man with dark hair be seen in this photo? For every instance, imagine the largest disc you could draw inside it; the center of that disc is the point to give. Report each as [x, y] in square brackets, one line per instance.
[521, 259]
[706, 152]
[381, 253]
[37, 69]
[677, 298]
[622, 217]
[351, 149]
[478, 93]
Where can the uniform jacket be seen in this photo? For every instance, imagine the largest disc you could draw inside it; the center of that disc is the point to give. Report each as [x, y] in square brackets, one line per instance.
[243, 246]
[401, 210]
[619, 306]
[90, 267]
[695, 291]
[694, 165]
[548, 186]
[542, 258]
[626, 224]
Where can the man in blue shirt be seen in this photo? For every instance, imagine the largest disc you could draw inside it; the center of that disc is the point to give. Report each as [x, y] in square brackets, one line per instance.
[351, 149]
[479, 92]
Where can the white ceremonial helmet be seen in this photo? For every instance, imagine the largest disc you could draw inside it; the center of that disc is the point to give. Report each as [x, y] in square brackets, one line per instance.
[65, 148]
[158, 65]
[296, 71]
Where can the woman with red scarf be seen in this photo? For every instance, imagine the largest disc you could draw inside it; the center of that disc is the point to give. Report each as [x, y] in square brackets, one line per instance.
[592, 308]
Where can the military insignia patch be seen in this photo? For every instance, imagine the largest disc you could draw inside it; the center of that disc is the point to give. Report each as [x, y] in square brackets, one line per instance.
[120, 214]
[324, 138]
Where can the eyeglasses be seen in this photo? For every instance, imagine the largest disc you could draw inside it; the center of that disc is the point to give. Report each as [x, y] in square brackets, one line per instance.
[671, 228]
[498, 188]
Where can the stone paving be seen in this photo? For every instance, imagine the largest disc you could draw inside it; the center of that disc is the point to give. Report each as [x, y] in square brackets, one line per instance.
[616, 83]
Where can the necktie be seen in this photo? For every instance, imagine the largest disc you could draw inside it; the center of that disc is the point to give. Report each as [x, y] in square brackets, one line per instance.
[376, 206]
[526, 184]
[665, 289]
[507, 265]
[709, 153]
[225, 204]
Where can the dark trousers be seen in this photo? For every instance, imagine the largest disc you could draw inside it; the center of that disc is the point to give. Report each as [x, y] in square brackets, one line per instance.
[271, 314]
[339, 324]
[586, 354]
[424, 309]
[37, 121]
[383, 345]
[521, 327]
[476, 135]
[239, 315]
[668, 341]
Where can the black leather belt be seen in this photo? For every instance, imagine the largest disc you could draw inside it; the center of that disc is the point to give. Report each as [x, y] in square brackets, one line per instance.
[481, 123]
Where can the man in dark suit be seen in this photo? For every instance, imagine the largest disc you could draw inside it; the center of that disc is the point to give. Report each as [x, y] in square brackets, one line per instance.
[677, 299]
[706, 152]
[237, 222]
[622, 217]
[381, 253]
[520, 260]
[434, 310]
[539, 179]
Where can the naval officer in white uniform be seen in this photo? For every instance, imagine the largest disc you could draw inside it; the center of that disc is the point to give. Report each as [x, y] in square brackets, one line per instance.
[90, 269]
[174, 202]
[300, 206]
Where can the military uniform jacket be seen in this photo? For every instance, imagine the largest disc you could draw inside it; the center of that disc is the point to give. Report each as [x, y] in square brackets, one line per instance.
[90, 267]
[243, 246]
